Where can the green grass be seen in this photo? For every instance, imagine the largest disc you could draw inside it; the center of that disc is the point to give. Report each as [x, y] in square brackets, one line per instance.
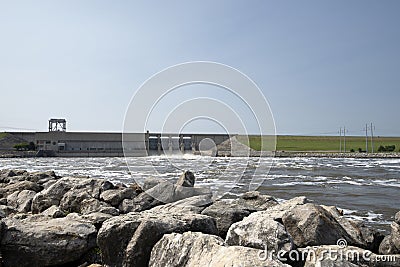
[2, 135]
[320, 143]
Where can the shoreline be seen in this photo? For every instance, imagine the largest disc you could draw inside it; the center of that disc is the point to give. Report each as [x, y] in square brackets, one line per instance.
[113, 224]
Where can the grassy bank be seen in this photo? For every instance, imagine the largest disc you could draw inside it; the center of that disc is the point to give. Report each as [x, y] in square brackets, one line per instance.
[2, 135]
[322, 143]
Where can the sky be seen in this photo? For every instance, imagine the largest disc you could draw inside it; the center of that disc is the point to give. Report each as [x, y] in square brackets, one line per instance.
[321, 65]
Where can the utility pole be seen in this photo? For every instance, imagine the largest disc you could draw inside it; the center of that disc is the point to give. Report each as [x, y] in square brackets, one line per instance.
[372, 137]
[344, 138]
[366, 137]
[340, 138]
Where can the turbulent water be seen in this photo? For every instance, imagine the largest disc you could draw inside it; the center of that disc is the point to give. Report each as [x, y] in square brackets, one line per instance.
[366, 189]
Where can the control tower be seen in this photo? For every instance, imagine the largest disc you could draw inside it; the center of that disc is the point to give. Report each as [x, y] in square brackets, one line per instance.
[57, 125]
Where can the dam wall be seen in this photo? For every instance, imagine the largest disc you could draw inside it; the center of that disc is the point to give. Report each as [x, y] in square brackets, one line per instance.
[98, 144]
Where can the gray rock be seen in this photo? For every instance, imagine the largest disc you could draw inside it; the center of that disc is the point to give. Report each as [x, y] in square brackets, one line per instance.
[192, 249]
[21, 200]
[48, 184]
[53, 194]
[194, 204]
[40, 177]
[23, 185]
[54, 212]
[312, 225]
[6, 211]
[115, 196]
[93, 187]
[127, 240]
[91, 205]
[3, 201]
[71, 201]
[44, 241]
[165, 193]
[259, 231]
[151, 182]
[67, 192]
[361, 235]
[12, 173]
[97, 218]
[255, 201]
[186, 179]
[107, 185]
[391, 243]
[370, 238]
[109, 210]
[127, 205]
[16, 179]
[226, 213]
[278, 211]
[397, 217]
[142, 202]
[3, 192]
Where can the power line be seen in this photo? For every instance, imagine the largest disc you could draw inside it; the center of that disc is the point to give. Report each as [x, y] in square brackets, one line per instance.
[366, 137]
[344, 131]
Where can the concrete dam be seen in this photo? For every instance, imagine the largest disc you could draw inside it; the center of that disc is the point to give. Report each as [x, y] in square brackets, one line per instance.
[96, 144]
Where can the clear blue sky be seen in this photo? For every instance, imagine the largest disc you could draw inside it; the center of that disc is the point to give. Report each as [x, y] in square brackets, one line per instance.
[321, 64]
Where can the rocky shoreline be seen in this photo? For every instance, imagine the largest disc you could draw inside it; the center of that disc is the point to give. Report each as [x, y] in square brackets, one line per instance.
[47, 220]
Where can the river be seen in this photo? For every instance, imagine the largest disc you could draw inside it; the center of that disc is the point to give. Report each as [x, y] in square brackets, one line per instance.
[366, 189]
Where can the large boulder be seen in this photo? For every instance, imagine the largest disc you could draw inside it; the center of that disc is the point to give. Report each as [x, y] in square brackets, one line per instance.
[42, 177]
[42, 241]
[391, 243]
[6, 211]
[97, 218]
[194, 204]
[127, 205]
[165, 192]
[228, 212]
[54, 212]
[255, 201]
[115, 196]
[312, 225]
[277, 212]
[259, 231]
[68, 192]
[361, 235]
[72, 200]
[23, 185]
[53, 194]
[36, 177]
[265, 228]
[92, 205]
[197, 249]
[6, 175]
[21, 200]
[127, 240]
[151, 182]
